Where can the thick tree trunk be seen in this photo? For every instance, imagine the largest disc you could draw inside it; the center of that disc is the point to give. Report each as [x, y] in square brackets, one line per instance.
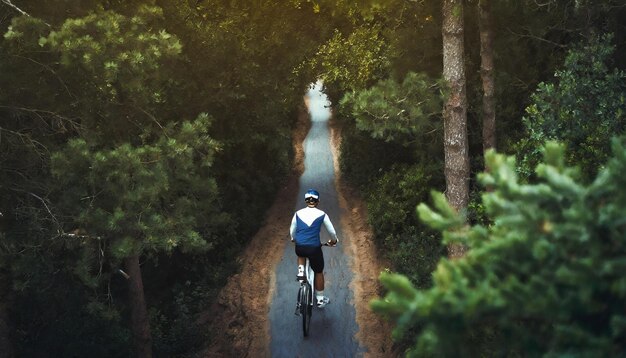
[139, 313]
[455, 113]
[487, 74]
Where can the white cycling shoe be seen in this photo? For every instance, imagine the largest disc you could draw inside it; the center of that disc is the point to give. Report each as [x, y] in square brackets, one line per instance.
[322, 302]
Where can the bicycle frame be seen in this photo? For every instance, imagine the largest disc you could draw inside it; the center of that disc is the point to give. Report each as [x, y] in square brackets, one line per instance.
[305, 298]
[310, 275]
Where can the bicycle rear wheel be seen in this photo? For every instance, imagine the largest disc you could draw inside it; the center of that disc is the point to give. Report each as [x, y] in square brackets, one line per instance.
[306, 305]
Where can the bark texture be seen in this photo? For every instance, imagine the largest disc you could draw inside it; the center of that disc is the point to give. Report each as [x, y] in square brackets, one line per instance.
[142, 338]
[455, 112]
[487, 74]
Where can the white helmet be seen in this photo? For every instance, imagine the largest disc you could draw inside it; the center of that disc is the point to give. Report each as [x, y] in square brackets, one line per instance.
[311, 196]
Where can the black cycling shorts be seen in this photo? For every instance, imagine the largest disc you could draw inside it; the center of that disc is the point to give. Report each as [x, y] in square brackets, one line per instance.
[315, 255]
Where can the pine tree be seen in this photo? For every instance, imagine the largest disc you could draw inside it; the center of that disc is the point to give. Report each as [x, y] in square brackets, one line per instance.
[545, 278]
[455, 142]
[132, 200]
[404, 113]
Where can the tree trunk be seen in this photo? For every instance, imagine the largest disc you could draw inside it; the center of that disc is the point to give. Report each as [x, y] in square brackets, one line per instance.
[487, 74]
[455, 113]
[139, 313]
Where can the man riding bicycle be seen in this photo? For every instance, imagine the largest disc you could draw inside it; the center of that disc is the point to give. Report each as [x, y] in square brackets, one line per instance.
[306, 225]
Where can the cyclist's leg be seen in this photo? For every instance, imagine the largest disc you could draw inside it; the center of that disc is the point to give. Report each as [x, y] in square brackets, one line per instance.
[319, 281]
[322, 300]
[301, 267]
[317, 264]
[302, 252]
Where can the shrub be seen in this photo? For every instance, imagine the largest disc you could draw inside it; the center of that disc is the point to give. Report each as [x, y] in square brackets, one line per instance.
[364, 159]
[415, 254]
[391, 200]
[583, 108]
[412, 248]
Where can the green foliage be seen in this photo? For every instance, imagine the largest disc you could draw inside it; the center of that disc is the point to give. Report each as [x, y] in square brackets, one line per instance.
[353, 9]
[400, 112]
[241, 57]
[352, 62]
[444, 217]
[537, 35]
[583, 108]
[159, 198]
[414, 252]
[412, 248]
[115, 72]
[105, 88]
[394, 194]
[150, 196]
[183, 287]
[52, 312]
[546, 278]
[391, 187]
[394, 124]
[177, 335]
[364, 159]
[389, 124]
[106, 73]
[23, 29]
[112, 47]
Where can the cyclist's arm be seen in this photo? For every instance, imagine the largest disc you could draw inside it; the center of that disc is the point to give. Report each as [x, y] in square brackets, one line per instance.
[292, 229]
[331, 229]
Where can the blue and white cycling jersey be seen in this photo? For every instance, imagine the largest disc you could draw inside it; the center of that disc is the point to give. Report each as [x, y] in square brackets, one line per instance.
[307, 224]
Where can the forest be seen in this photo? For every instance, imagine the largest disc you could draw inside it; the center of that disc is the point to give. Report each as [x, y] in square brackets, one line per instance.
[145, 139]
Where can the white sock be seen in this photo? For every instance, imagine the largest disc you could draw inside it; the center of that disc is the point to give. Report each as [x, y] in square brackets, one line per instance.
[319, 294]
[300, 269]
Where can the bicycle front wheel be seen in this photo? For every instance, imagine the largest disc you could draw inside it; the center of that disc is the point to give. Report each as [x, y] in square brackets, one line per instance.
[306, 307]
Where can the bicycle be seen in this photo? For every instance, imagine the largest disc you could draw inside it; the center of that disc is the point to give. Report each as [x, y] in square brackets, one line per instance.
[304, 305]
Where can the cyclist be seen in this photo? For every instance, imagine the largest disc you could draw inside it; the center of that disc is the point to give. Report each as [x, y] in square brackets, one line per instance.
[306, 225]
